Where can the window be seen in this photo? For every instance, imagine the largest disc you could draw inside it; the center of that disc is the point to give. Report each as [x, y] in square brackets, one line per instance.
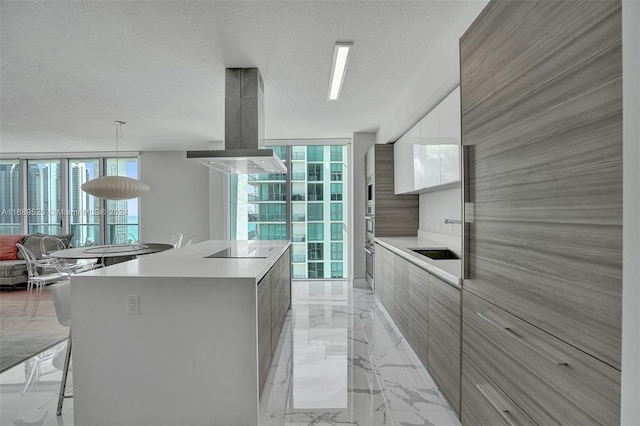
[56, 204]
[273, 192]
[85, 218]
[336, 192]
[315, 231]
[336, 251]
[316, 251]
[314, 216]
[315, 153]
[314, 172]
[316, 269]
[272, 231]
[314, 191]
[336, 172]
[10, 220]
[270, 212]
[122, 215]
[336, 232]
[336, 211]
[337, 270]
[336, 152]
[44, 194]
[314, 211]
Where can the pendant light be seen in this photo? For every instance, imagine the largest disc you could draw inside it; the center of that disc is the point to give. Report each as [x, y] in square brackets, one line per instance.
[116, 187]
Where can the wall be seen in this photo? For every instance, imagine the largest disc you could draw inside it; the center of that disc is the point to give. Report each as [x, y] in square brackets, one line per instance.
[434, 82]
[630, 414]
[437, 206]
[362, 142]
[179, 197]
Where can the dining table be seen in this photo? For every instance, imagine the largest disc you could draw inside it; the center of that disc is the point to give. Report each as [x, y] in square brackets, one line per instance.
[110, 254]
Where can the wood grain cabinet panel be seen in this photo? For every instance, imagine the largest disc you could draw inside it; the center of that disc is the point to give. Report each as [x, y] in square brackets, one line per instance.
[388, 279]
[401, 295]
[378, 272]
[395, 215]
[444, 339]
[264, 329]
[484, 403]
[541, 95]
[553, 382]
[280, 276]
[419, 312]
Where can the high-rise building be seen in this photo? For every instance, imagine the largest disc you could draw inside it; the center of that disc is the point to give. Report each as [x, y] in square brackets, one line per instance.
[9, 197]
[318, 221]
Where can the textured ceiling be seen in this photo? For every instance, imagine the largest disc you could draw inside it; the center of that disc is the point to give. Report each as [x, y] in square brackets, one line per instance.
[71, 68]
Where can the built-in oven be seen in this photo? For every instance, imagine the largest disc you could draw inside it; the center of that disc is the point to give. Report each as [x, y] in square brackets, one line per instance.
[369, 250]
[369, 259]
[370, 196]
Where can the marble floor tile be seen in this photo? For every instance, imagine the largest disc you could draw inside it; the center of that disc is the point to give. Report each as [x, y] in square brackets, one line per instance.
[340, 360]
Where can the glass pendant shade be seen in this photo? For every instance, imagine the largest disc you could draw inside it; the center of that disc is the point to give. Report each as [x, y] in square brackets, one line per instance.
[115, 188]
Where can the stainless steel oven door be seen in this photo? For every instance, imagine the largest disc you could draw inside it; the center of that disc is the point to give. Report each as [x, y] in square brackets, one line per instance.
[369, 259]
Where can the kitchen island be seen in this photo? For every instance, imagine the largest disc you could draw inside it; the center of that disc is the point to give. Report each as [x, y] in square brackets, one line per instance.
[178, 337]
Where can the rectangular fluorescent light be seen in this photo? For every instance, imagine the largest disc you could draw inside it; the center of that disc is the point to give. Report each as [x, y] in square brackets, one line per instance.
[339, 68]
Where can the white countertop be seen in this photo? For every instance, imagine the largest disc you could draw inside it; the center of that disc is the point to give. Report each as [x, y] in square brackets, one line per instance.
[191, 262]
[447, 270]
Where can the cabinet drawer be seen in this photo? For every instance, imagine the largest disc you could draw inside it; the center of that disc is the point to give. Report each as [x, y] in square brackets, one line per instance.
[484, 403]
[553, 382]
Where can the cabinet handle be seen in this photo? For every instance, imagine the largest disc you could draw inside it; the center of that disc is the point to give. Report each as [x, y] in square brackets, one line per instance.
[497, 323]
[496, 400]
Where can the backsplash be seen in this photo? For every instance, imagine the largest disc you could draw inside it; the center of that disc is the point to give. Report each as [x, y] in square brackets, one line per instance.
[437, 206]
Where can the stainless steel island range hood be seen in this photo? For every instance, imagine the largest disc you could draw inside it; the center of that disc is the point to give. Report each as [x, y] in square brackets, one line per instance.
[243, 128]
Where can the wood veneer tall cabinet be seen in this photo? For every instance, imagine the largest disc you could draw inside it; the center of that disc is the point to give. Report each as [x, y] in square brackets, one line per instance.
[541, 90]
[395, 215]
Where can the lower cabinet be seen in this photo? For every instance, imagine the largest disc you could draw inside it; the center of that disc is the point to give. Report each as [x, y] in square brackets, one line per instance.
[444, 339]
[550, 380]
[377, 272]
[274, 299]
[427, 312]
[484, 403]
[264, 329]
[388, 279]
[400, 306]
[418, 336]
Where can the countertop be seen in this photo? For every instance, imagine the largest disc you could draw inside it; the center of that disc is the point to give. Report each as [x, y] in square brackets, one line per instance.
[191, 262]
[447, 270]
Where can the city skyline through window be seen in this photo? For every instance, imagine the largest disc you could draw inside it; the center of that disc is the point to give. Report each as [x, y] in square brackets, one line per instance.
[53, 202]
[313, 195]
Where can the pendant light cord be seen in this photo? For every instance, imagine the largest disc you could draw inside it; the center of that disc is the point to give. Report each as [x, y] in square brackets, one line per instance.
[118, 136]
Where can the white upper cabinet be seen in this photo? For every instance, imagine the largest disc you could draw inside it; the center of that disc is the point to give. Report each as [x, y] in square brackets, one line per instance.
[403, 161]
[428, 155]
[450, 137]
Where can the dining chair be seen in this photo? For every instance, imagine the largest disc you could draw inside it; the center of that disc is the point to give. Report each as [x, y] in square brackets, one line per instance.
[176, 240]
[61, 293]
[38, 279]
[51, 243]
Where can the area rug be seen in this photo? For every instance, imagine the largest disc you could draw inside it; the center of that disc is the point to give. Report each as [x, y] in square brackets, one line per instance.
[21, 336]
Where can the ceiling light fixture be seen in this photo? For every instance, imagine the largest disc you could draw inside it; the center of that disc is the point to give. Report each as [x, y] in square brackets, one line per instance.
[339, 68]
[116, 187]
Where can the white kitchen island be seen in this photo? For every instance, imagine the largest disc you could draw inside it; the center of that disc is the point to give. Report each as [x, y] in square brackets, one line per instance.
[198, 350]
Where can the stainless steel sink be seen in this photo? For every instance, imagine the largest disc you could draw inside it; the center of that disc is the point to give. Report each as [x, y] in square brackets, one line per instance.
[437, 254]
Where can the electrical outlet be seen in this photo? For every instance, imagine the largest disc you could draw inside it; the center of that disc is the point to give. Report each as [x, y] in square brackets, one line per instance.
[133, 304]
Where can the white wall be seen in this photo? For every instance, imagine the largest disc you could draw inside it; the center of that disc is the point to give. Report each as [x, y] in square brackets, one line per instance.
[362, 142]
[437, 206]
[434, 82]
[179, 197]
[630, 414]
